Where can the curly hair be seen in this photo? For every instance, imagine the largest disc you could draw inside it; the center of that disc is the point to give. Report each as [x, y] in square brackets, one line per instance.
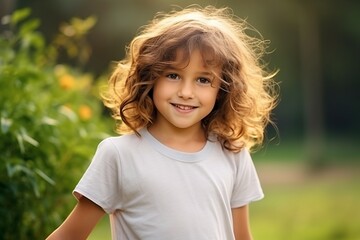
[247, 93]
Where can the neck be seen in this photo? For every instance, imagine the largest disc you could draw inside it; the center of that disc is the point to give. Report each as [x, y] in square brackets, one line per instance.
[186, 140]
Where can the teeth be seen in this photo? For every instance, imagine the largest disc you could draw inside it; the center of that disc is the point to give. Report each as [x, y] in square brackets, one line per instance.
[182, 107]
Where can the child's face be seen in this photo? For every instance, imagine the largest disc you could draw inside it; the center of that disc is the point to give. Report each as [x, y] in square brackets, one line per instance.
[185, 93]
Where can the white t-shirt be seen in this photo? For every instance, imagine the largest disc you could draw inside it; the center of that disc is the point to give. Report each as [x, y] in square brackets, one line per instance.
[153, 192]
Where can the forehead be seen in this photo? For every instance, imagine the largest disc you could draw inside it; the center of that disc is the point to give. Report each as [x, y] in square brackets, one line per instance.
[182, 57]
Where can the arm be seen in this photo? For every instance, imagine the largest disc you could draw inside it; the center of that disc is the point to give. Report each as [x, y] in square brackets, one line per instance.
[80, 222]
[241, 223]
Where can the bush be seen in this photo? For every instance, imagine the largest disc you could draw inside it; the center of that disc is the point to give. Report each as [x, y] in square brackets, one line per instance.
[50, 124]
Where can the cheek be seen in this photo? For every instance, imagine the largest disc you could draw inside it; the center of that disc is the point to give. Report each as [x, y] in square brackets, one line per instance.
[159, 94]
[210, 98]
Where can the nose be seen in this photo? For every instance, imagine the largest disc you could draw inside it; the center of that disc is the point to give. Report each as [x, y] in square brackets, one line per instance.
[186, 90]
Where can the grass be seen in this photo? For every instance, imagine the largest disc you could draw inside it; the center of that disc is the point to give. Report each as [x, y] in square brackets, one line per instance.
[316, 209]
[321, 206]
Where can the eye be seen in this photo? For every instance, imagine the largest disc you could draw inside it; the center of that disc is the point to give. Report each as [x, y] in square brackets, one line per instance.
[173, 76]
[204, 81]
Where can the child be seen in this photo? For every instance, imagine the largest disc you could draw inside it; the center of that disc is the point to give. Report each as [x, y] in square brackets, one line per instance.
[193, 98]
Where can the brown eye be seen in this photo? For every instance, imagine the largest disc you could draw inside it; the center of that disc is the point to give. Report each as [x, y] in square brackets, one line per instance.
[203, 81]
[173, 76]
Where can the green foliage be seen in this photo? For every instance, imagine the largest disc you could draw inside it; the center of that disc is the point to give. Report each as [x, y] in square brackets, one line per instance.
[72, 39]
[50, 124]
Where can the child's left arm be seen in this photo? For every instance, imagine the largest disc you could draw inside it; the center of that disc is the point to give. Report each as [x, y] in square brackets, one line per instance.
[241, 223]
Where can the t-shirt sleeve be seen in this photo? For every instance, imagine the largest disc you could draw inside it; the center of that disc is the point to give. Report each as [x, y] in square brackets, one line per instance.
[101, 181]
[247, 186]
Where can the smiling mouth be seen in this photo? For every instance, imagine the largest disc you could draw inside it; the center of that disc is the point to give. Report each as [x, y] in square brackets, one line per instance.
[183, 107]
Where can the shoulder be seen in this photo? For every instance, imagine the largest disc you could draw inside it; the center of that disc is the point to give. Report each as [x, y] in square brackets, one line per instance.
[116, 145]
[238, 156]
[119, 141]
[237, 159]
[111, 151]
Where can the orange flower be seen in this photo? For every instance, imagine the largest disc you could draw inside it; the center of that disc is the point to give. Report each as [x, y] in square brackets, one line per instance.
[67, 81]
[85, 112]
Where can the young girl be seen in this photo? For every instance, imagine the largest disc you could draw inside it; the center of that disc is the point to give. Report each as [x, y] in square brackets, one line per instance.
[193, 99]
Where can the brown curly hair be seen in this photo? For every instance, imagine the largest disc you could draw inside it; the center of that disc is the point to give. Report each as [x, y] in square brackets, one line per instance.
[247, 93]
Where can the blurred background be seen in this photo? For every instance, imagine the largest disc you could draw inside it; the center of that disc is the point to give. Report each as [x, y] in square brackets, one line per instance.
[56, 54]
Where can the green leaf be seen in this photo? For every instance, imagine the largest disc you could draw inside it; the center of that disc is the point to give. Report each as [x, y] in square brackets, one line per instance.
[19, 138]
[29, 27]
[49, 121]
[30, 140]
[19, 15]
[5, 124]
[82, 26]
[18, 168]
[68, 113]
[44, 176]
[35, 187]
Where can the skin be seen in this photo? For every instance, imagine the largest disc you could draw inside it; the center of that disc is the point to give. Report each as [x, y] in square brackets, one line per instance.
[241, 223]
[81, 221]
[183, 96]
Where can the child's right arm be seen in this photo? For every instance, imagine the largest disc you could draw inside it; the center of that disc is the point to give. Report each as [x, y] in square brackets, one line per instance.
[80, 222]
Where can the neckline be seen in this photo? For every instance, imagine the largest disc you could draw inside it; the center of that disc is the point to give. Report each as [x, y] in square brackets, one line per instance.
[176, 154]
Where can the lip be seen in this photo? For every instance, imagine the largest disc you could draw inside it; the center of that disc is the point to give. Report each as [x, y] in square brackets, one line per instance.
[183, 107]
